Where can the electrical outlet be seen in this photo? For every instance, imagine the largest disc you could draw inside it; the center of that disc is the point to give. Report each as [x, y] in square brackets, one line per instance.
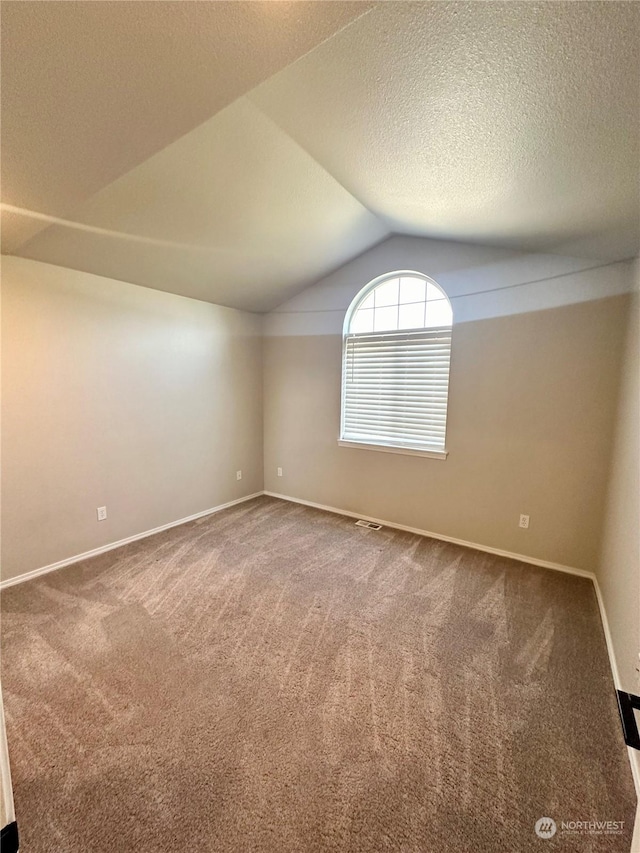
[101, 512]
[524, 521]
[279, 472]
[238, 475]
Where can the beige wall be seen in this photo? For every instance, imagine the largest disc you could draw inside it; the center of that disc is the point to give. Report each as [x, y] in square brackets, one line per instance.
[118, 395]
[619, 569]
[148, 403]
[533, 393]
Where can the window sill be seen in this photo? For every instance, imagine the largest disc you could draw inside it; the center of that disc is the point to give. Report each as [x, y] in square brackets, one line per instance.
[389, 448]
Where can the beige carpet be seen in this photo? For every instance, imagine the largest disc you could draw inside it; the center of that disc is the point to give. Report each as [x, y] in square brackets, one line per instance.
[273, 678]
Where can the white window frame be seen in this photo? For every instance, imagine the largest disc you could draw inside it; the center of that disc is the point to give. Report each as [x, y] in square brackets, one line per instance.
[382, 445]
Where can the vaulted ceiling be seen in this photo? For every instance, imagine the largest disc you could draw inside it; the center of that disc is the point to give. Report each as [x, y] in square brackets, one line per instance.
[235, 152]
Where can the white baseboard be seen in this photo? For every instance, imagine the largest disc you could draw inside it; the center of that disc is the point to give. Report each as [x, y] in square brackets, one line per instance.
[486, 548]
[27, 576]
[635, 841]
[634, 755]
[607, 636]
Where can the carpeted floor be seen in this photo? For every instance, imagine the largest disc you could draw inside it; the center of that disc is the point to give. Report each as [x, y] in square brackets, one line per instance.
[274, 678]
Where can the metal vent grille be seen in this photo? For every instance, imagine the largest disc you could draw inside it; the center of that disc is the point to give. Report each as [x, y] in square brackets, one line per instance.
[370, 524]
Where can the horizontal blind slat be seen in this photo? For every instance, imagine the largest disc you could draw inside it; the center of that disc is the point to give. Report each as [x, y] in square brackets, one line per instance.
[435, 420]
[371, 418]
[393, 364]
[398, 435]
[435, 431]
[398, 407]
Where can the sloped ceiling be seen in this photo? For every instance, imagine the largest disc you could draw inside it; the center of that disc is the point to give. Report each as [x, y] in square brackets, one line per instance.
[235, 152]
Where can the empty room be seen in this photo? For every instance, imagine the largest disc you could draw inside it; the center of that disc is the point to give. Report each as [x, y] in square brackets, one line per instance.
[320, 426]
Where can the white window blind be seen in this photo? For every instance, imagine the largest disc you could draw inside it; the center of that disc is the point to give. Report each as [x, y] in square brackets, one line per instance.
[395, 388]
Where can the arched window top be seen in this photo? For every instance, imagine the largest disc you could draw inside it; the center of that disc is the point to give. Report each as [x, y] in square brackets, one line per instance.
[399, 301]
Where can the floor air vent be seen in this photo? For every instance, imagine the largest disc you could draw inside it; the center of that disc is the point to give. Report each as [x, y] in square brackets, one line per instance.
[361, 523]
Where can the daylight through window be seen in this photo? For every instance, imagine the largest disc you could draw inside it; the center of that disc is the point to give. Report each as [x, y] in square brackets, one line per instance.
[397, 349]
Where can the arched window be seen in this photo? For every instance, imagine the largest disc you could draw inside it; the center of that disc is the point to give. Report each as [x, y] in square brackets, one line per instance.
[395, 366]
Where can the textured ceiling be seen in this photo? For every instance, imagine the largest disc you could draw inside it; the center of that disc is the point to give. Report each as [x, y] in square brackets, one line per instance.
[508, 123]
[234, 152]
[91, 89]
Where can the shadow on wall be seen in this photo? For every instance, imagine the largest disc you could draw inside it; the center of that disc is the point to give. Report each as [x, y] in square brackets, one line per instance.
[481, 282]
